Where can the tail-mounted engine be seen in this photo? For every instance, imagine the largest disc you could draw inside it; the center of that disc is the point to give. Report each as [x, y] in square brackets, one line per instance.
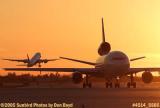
[104, 47]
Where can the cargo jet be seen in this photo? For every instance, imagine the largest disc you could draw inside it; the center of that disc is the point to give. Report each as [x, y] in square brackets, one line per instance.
[36, 59]
[110, 65]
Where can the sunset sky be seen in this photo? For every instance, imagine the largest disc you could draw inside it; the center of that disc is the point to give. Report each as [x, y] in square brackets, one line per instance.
[72, 28]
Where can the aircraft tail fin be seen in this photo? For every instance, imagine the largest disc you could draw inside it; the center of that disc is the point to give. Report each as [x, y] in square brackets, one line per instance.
[103, 32]
[28, 58]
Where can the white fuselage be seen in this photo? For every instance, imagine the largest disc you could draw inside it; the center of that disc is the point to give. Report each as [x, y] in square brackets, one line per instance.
[113, 64]
[34, 60]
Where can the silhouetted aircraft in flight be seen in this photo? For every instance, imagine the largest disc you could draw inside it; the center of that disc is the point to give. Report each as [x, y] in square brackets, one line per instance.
[110, 65]
[36, 59]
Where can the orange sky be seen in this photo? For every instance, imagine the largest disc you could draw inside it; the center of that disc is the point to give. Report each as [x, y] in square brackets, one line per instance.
[72, 28]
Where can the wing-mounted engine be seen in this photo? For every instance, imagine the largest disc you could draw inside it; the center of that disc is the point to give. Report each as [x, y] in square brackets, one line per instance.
[77, 78]
[147, 77]
[104, 47]
[45, 61]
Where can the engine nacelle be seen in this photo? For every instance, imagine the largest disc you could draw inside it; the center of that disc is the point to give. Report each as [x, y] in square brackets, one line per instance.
[104, 48]
[77, 78]
[45, 61]
[147, 77]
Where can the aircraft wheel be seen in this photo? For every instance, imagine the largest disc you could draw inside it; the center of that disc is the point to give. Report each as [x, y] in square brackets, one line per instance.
[110, 85]
[107, 85]
[90, 85]
[134, 84]
[84, 85]
[117, 85]
[128, 84]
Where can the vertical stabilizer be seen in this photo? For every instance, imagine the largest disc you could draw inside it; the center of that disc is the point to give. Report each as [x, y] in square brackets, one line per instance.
[28, 58]
[104, 47]
[103, 32]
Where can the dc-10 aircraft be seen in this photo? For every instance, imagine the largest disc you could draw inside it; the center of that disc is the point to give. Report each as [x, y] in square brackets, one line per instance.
[36, 59]
[110, 65]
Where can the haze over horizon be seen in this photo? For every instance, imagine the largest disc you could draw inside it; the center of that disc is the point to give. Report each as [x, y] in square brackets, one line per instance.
[72, 28]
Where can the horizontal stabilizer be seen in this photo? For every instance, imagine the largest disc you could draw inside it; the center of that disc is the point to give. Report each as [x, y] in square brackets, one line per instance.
[137, 58]
[81, 61]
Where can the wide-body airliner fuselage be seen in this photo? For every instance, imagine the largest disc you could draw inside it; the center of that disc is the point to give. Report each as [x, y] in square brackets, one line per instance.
[36, 59]
[114, 64]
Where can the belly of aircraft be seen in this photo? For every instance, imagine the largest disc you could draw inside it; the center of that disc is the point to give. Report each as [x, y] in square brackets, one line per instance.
[115, 70]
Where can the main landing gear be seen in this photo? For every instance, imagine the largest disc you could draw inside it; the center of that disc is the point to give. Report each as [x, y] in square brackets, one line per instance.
[117, 84]
[39, 65]
[131, 83]
[86, 82]
[109, 84]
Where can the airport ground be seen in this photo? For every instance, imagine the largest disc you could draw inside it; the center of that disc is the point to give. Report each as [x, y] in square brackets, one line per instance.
[97, 97]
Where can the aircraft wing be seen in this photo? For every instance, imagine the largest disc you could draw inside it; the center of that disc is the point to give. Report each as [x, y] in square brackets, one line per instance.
[47, 60]
[17, 60]
[81, 70]
[149, 69]
[133, 59]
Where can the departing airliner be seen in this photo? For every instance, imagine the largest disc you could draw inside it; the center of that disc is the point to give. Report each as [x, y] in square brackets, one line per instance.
[36, 59]
[110, 65]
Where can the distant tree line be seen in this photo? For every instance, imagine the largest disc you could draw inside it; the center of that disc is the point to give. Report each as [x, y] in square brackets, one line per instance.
[26, 79]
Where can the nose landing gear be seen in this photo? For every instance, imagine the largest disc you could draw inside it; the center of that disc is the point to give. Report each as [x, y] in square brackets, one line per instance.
[131, 83]
[86, 83]
[109, 83]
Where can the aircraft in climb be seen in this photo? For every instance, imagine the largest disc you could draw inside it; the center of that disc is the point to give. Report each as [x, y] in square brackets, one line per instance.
[36, 59]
